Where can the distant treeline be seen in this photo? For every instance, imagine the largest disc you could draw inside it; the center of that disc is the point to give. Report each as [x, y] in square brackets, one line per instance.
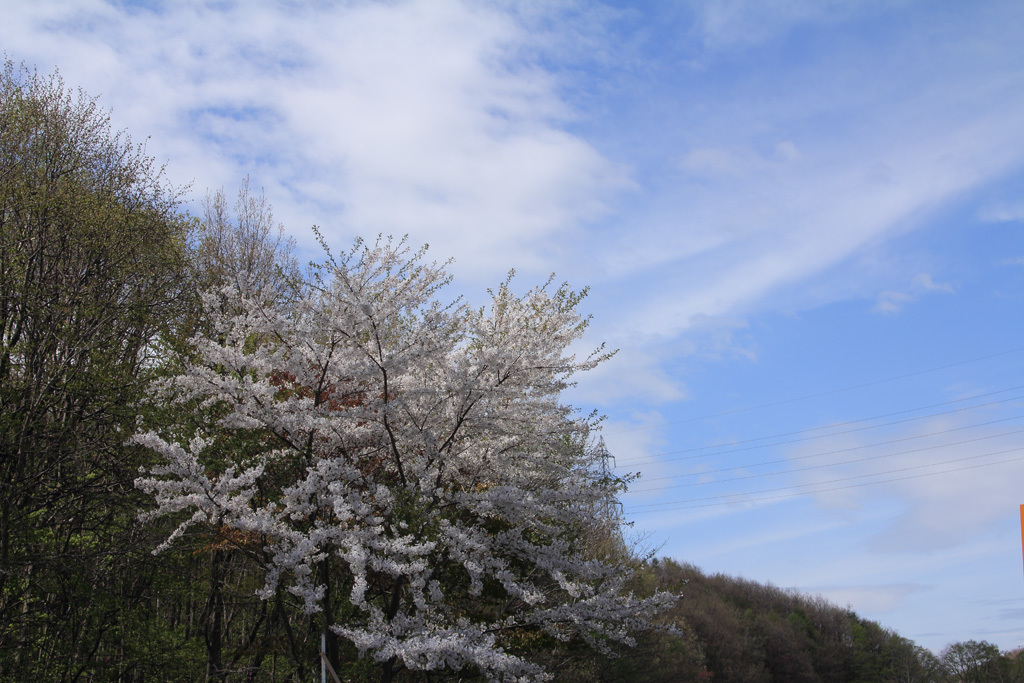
[740, 631]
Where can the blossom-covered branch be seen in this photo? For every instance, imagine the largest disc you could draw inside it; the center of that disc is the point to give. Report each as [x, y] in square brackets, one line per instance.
[415, 451]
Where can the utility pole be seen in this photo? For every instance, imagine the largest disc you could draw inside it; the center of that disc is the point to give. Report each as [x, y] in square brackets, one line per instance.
[612, 507]
[325, 665]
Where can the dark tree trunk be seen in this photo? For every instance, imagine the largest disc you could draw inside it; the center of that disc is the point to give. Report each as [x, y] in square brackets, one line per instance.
[215, 619]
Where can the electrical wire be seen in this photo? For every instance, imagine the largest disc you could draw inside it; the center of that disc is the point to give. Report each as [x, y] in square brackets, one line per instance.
[633, 508]
[819, 394]
[839, 450]
[812, 467]
[837, 424]
[832, 430]
[657, 457]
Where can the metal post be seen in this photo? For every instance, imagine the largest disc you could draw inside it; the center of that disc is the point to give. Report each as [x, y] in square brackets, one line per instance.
[325, 666]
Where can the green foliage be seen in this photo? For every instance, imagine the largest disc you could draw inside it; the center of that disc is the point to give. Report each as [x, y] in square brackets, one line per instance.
[91, 249]
[736, 630]
[974, 661]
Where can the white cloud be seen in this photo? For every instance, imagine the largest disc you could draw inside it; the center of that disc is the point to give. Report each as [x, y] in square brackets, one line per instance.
[634, 437]
[702, 163]
[631, 374]
[749, 540]
[892, 302]
[787, 151]
[1003, 213]
[952, 475]
[710, 161]
[442, 120]
[924, 282]
[427, 118]
[871, 598]
[742, 23]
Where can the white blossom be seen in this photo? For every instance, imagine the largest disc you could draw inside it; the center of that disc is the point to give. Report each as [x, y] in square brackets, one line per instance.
[419, 449]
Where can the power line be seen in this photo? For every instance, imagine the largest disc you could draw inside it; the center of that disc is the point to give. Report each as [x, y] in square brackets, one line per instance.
[837, 488]
[812, 467]
[842, 450]
[819, 394]
[657, 457]
[849, 422]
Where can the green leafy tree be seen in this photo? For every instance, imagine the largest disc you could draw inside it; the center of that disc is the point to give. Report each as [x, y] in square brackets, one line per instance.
[911, 663]
[973, 661]
[91, 253]
[1014, 662]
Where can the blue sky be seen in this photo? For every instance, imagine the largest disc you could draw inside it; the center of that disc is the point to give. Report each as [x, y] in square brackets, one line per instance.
[801, 223]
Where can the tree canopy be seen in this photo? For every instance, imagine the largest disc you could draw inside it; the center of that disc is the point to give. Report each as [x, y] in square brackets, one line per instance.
[91, 251]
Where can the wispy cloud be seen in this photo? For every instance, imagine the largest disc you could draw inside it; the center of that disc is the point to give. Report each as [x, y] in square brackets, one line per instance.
[954, 475]
[745, 23]
[443, 120]
[1003, 212]
[427, 118]
[891, 301]
[873, 598]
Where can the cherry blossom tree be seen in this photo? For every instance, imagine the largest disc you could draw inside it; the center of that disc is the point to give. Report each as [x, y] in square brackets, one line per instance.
[403, 466]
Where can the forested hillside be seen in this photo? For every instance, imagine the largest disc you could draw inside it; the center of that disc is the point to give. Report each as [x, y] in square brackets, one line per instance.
[215, 465]
[732, 629]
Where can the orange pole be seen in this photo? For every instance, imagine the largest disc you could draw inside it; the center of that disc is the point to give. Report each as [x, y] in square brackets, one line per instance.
[1022, 528]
